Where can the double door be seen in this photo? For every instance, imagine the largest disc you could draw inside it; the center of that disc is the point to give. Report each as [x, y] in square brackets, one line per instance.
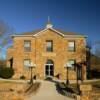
[49, 70]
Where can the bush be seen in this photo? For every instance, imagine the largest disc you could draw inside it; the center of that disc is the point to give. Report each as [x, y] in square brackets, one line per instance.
[6, 73]
[22, 77]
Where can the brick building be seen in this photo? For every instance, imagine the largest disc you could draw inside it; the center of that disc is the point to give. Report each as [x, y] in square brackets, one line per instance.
[48, 50]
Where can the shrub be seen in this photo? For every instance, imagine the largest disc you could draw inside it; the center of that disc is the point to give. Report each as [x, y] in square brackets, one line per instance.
[6, 73]
[22, 77]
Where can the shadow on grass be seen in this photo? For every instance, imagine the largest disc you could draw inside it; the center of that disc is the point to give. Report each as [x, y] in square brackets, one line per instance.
[65, 90]
[32, 88]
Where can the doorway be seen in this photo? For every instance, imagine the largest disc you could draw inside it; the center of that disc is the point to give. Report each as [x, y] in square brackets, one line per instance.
[49, 68]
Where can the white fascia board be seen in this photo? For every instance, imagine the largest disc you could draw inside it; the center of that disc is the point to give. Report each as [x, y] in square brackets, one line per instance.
[20, 36]
[50, 29]
[75, 36]
[40, 32]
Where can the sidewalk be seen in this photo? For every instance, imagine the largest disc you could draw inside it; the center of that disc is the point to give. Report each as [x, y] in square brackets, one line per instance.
[48, 92]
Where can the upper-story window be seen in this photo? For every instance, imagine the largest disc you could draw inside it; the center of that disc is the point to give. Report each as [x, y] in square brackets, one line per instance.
[27, 45]
[71, 46]
[49, 46]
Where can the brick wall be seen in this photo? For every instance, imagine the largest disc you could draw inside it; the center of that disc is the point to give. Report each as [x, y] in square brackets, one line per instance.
[38, 54]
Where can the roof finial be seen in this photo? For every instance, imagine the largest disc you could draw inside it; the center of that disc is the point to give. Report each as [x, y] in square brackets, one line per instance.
[49, 24]
[48, 19]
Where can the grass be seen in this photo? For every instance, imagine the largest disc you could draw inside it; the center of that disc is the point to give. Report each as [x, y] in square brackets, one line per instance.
[65, 90]
[72, 88]
[11, 90]
[95, 86]
[32, 88]
[93, 83]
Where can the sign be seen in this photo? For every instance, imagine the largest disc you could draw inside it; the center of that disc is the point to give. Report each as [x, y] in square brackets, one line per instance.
[87, 87]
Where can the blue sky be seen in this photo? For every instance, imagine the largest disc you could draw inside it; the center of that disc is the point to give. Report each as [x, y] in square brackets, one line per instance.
[80, 16]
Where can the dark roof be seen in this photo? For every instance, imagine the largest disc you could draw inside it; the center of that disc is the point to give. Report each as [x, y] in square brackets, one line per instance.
[31, 33]
[36, 31]
[67, 33]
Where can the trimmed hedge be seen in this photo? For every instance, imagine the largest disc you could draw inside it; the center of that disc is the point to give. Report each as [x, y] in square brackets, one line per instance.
[6, 73]
[22, 77]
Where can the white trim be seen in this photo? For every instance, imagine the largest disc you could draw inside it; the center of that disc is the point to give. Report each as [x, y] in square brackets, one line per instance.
[66, 36]
[75, 36]
[40, 32]
[20, 36]
[58, 32]
[50, 29]
[49, 64]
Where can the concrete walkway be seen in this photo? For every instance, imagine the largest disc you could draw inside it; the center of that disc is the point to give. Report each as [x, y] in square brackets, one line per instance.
[48, 91]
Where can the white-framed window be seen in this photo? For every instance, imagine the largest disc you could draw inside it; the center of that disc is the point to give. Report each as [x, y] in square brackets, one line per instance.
[72, 62]
[49, 46]
[27, 45]
[71, 46]
[27, 63]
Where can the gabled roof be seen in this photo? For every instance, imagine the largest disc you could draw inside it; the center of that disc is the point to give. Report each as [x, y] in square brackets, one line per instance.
[39, 31]
[31, 33]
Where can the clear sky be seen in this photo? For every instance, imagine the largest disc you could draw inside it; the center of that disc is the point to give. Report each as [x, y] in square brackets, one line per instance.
[80, 16]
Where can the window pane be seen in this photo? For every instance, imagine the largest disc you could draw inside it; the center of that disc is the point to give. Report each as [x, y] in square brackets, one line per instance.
[26, 63]
[71, 45]
[49, 45]
[72, 62]
[49, 61]
[51, 72]
[47, 67]
[51, 67]
[47, 72]
[27, 45]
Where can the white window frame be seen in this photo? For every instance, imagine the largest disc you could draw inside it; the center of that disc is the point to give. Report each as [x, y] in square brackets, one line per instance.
[71, 46]
[49, 45]
[27, 63]
[27, 45]
[72, 62]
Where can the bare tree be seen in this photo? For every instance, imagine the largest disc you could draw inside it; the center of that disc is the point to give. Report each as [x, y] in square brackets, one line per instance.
[5, 32]
[97, 48]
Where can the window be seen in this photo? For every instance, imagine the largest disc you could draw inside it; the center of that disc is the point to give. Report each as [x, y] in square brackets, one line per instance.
[72, 61]
[27, 63]
[27, 45]
[71, 46]
[49, 46]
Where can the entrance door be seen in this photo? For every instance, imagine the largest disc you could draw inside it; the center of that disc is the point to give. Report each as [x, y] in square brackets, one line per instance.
[49, 68]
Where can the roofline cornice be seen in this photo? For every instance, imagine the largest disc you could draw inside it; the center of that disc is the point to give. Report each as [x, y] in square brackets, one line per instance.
[65, 36]
[38, 33]
[21, 36]
[75, 36]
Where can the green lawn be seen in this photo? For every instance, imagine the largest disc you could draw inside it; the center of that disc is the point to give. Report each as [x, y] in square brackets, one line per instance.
[95, 85]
